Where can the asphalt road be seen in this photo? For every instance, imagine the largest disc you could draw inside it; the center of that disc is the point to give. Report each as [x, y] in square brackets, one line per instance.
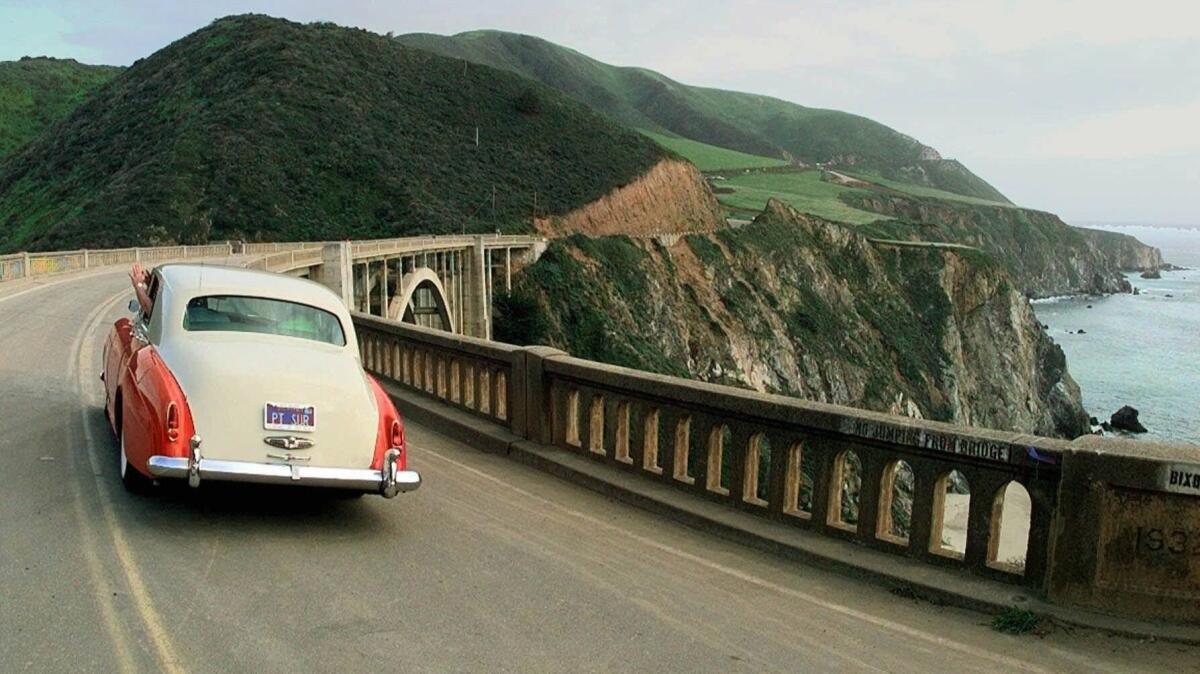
[491, 566]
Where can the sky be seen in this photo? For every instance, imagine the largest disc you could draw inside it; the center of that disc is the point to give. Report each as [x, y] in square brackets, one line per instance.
[1087, 109]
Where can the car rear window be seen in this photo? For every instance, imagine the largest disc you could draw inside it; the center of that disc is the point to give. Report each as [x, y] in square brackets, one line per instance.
[235, 313]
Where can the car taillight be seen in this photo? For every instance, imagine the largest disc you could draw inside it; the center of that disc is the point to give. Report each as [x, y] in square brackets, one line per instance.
[397, 434]
[172, 422]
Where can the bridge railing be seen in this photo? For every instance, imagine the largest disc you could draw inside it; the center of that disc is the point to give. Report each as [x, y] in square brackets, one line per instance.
[876, 479]
[30, 265]
[842, 472]
[287, 260]
[1108, 523]
[472, 374]
[275, 256]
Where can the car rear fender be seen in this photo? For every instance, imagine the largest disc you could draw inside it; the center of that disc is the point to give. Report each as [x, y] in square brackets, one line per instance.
[149, 391]
[383, 436]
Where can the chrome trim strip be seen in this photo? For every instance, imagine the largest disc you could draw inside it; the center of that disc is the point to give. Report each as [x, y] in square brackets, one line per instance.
[388, 482]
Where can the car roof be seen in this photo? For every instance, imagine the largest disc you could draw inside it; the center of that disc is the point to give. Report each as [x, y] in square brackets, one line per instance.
[197, 280]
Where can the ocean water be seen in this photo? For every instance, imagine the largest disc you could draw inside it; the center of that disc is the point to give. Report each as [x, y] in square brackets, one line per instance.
[1140, 350]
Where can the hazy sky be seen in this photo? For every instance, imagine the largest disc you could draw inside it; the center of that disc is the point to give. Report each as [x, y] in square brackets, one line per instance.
[1087, 109]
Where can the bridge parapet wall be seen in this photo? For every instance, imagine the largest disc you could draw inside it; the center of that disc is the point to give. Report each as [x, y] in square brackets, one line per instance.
[30, 265]
[1112, 525]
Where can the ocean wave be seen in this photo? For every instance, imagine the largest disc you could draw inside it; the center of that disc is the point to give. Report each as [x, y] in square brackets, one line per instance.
[1054, 298]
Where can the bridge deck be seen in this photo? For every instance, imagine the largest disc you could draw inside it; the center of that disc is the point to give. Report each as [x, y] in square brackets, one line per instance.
[491, 566]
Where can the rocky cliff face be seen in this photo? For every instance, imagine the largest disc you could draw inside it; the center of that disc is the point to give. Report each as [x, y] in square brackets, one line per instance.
[672, 191]
[1126, 251]
[800, 306]
[1044, 255]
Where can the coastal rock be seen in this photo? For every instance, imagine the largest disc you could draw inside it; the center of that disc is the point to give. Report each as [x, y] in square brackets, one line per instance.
[809, 308]
[1081, 332]
[1093, 421]
[1151, 274]
[1126, 419]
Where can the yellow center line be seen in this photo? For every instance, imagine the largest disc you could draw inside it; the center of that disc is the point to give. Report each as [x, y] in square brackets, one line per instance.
[167, 659]
[100, 582]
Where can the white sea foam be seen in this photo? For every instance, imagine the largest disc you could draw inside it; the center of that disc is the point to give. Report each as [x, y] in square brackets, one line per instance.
[1053, 299]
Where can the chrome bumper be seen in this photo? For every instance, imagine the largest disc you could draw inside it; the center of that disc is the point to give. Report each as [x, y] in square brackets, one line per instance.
[388, 482]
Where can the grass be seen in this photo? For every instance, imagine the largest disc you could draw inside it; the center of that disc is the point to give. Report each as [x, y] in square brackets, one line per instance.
[711, 158]
[1016, 621]
[804, 190]
[262, 129]
[749, 123]
[922, 190]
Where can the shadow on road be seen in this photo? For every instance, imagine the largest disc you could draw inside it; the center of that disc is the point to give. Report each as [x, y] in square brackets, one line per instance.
[172, 504]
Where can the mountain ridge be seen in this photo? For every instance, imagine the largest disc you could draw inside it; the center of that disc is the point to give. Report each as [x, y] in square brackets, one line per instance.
[746, 122]
[258, 128]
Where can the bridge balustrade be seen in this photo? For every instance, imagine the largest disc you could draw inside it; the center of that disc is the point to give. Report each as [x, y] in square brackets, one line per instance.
[790, 460]
[777, 457]
[13, 267]
[27, 265]
[472, 374]
[1109, 523]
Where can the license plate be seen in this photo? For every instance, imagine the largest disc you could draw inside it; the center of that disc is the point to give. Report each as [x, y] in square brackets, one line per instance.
[289, 417]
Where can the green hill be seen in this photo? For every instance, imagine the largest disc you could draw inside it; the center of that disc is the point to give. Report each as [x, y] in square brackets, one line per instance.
[37, 92]
[260, 128]
[758, 125]
[710, 157]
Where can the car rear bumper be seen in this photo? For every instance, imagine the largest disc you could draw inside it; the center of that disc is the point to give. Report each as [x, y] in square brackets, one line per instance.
[388, 482]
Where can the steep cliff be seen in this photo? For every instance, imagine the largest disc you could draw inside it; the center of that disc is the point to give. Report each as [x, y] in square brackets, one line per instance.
[673, 191]
[801, 306]
[1045, 255]
[1126, 251]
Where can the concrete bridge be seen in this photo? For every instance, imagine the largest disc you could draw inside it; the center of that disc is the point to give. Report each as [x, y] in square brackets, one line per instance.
[441, 282]
[577, 516]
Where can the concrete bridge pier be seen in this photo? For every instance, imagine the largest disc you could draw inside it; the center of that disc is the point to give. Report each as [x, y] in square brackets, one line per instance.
[336, 270]
[477, 299]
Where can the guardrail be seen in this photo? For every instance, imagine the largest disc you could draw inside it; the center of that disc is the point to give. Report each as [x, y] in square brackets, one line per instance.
[1111, 524]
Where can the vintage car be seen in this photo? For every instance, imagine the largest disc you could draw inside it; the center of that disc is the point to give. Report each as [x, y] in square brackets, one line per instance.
[248, 376]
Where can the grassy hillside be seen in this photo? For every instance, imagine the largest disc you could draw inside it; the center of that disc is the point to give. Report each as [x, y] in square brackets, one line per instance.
[260, 128]
[805, 191]
[758, 125]
[710, 157]
[921, 191]
[37, 92]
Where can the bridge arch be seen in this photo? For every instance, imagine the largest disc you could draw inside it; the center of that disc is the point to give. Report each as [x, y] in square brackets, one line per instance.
[401, 306]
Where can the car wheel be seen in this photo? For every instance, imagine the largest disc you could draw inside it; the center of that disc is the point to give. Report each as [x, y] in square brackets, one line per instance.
[133, 481]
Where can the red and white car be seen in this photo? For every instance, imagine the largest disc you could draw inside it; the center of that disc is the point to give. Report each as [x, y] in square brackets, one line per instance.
[248, 376]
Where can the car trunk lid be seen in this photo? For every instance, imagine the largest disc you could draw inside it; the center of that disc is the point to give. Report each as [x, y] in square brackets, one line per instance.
[230, 378]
